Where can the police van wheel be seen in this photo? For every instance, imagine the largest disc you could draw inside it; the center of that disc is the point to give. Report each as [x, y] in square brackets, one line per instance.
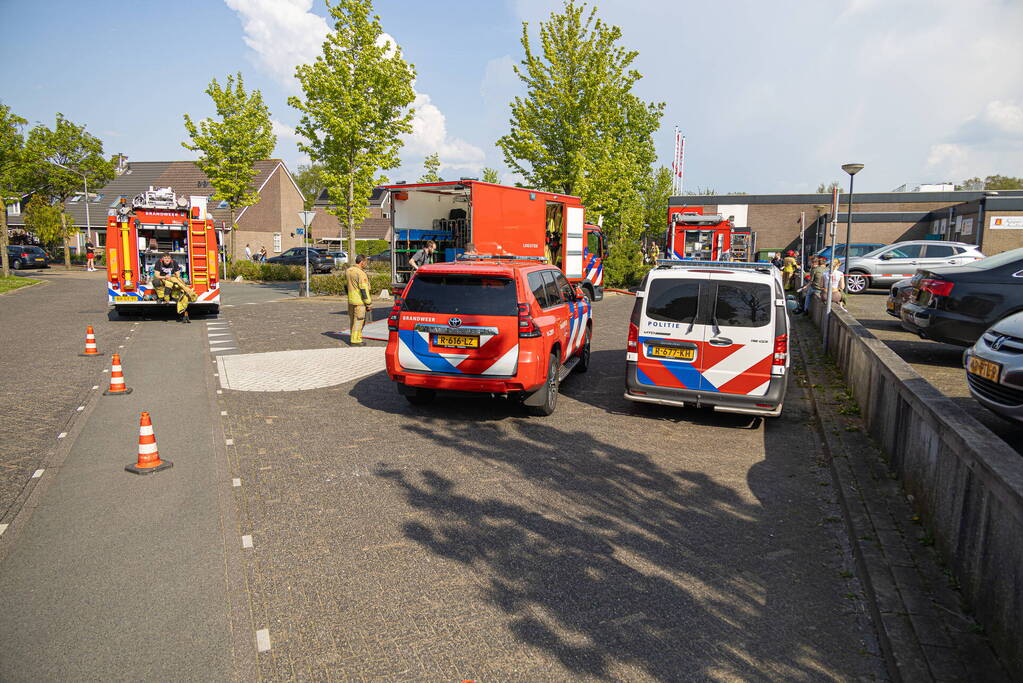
[421, 397]
[549, 390]
[584, 356]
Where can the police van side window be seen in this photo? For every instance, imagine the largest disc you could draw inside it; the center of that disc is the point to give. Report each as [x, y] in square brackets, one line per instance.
[536, 284]
[553, 293]
[673, 300]
[742, 304]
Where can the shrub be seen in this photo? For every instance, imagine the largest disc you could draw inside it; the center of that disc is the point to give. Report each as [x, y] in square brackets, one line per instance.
[623, 266]
[265, 271]
[371, 247]
[336, 284]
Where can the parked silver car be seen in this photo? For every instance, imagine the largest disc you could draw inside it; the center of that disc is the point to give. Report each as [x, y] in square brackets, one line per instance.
[994, 368]
[886, 265]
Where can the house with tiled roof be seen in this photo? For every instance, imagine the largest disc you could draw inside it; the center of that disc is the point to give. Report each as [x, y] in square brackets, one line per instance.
[271, 222]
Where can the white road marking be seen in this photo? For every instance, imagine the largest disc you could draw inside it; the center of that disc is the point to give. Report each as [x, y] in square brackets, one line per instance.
[230, 442]
[236, 482]
[37, 474]
[223, 412]
[80, 408]
[62, 435]
[216, 374]
[226, 348]
[106, 369]
[95, 387]
[246, 541]
[121, 346]
[219, 391]
[251, 303]
[3, 528]
[218, 334]
[262, 640]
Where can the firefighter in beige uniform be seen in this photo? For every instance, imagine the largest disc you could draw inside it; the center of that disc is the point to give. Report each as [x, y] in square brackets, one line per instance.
[358, 299]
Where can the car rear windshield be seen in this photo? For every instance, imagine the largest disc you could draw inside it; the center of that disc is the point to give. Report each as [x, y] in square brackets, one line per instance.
[673, 300]
[743, 304]
[998, 260]
[462, 294]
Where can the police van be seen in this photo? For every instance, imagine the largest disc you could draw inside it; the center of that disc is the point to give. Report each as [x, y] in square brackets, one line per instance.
[710, 334]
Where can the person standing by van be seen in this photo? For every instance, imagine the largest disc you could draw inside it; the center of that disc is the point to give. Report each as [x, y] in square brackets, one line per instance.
[359, 300]
[788, 269]
[421, 257]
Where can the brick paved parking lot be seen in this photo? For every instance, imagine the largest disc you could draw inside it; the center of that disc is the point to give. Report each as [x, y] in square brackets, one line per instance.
[465, 540]
[940, 364]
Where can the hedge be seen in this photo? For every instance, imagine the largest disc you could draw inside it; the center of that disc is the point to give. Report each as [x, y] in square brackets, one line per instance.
[371, 247]
[337, 285]
[250, 270]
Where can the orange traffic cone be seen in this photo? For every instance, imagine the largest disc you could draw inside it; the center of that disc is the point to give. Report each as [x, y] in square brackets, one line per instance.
[90, 343]
[116, 378]
[149, 457]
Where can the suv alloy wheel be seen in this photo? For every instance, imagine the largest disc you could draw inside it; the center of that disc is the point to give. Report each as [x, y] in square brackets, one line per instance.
[855, 283]
[550, 389]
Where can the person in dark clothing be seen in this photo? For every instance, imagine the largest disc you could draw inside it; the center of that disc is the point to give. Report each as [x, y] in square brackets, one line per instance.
[90, 256]
[422, 257]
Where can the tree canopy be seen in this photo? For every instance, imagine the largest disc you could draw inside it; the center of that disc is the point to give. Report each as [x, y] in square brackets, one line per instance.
[12, 176]
[44, 220]
[579, 129]
[490, 175]
[991, 182]
[431, 169]
[309, 178]
[229, 147]
[355, 108]
[656, 194]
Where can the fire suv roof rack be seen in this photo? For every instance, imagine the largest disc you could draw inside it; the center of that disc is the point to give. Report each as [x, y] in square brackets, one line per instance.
[690, 262]
[500, 257]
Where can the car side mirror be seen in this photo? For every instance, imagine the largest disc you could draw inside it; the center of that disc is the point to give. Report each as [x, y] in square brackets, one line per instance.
[886, 257]
[579, 295]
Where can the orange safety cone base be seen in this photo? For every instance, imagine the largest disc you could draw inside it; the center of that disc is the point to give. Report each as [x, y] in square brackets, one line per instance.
[92, 355]
[125, 392]
[165, 464]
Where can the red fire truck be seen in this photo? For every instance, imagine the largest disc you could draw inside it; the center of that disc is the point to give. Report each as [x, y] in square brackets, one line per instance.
[707, 237]
[497, 220]
[156, 222]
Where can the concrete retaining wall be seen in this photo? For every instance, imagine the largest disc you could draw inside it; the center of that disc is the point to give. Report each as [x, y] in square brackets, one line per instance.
[966, 482]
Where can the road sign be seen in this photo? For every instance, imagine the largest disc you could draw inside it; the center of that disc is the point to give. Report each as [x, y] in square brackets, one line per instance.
[299, 231]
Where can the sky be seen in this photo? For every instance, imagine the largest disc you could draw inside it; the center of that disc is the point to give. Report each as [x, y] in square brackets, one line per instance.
[773, 97]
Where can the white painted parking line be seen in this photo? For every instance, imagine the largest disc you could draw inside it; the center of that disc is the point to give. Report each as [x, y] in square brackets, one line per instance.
[246, 541]
[216, 374]
[218, 334]
[226, 348]
[219, 391]
[262, 640]
[37, 474]
[95, 387]
[62, 435]
[230, 442]
[223, 412]
[236, 482]
[3, 528]
[80, 408]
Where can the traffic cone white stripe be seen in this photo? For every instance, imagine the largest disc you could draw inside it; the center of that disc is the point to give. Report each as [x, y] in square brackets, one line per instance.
[147, 448]
[146, 430]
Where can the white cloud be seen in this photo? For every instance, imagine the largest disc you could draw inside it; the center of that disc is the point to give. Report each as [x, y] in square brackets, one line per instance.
[286, 33]
[988, 142]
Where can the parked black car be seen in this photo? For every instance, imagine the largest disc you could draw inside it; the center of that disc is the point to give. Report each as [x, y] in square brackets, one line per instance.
[25, 256]
[897, 295]
[956, 305]
[319, 262]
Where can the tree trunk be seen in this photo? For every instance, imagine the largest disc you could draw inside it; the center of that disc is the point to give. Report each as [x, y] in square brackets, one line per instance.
[230, 256]
[4, 259]
[67, 248]
[351, 221]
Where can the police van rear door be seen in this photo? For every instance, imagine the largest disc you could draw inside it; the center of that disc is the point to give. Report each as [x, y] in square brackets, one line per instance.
[460, 324]
[739, 350]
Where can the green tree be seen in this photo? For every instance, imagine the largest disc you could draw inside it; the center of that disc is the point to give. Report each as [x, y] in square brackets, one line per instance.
[59, 159]
[490, 175]
[309, 178]
[579, 129]
[431, 169]
[358, 94]
[656, 193]
[47, 221]
[827, 188]
[12, 177]
[229, 147]
[1003, 182]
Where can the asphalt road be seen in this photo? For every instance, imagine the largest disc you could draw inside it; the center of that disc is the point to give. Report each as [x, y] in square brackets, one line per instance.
[466, 540]
[940, 364]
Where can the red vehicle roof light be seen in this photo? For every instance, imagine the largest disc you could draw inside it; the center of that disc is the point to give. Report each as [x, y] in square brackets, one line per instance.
[937, 287]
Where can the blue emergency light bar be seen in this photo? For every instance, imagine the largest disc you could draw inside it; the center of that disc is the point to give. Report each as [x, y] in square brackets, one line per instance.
[690, 262]
[500, 257]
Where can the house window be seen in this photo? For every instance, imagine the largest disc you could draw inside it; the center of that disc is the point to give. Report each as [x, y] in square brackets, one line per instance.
[14, 209]
[223, 204]
[95, 198]
[277, 242]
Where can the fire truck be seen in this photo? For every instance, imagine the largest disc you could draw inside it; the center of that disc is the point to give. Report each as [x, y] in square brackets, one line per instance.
[498, 220]
[707, 237]
[156, 222]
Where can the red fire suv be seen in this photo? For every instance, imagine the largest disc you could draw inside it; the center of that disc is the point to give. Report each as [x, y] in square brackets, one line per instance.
[501, 325]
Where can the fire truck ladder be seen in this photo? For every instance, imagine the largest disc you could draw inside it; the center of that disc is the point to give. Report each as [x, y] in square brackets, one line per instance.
[199, 256]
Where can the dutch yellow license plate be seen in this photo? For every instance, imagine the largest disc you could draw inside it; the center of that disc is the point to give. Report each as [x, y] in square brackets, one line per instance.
[457, 341]
[125, 298]
[891, 305]
[984, 368]
[672, 352]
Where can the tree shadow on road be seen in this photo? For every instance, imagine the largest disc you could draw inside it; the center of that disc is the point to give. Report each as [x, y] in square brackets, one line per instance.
[616, 565]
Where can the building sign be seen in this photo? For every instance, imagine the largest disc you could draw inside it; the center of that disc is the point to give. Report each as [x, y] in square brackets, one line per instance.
[1007, 222]
[966, 227]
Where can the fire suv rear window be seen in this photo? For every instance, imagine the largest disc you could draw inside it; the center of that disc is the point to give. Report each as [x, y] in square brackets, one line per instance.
[673, 300]
[462, 294]
[743, 304]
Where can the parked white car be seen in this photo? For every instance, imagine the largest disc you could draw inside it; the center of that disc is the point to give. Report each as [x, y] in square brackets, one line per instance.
[884, 266]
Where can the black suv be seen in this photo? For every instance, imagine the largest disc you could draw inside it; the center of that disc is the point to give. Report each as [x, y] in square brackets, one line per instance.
[319, 262]
[26, 256]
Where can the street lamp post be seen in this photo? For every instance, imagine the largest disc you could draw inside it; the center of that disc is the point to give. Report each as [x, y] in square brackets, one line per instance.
[307, 220]
[852, 170]
[85, 182]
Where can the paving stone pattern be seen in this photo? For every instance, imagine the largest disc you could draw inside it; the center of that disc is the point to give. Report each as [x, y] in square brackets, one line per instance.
[932, 636]
[464, 540]
[299, 370]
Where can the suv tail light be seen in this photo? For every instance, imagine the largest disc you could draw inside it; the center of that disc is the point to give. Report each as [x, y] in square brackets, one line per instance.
[24, 255]
[527, 326]
[395, 317]
[937, 287]
[632, 346]
[781, 349]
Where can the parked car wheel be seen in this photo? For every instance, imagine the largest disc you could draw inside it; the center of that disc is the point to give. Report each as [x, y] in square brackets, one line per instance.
[584, 355]
[550, 389]
[855, 283]
[16, 264]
